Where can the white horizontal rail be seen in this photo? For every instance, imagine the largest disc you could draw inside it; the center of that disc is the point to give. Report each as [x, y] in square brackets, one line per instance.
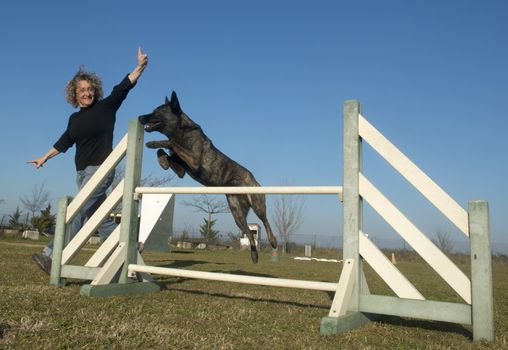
[224, 277]
[427, 187]
[244, 190]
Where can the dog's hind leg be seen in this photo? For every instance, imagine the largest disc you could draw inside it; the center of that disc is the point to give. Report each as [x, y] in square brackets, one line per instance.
[258, 203]
[239, 206]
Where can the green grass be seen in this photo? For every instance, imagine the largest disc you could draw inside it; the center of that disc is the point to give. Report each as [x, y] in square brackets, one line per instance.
[198, 314]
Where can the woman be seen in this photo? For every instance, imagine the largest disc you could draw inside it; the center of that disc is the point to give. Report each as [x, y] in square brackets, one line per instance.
[91, 130]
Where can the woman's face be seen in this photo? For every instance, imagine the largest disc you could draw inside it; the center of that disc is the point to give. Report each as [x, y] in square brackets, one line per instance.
[85, 93]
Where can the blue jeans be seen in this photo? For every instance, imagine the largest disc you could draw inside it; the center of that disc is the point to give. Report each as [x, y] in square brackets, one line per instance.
[87, 210]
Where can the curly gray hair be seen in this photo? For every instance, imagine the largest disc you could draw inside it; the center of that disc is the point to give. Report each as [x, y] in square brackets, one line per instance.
[90, 77]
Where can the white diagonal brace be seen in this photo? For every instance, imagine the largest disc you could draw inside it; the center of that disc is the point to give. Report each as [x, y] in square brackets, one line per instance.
[102, 253]
[385, 269]
[111, 267]
[344, 290]
[412, 173]
[418, 241]
[111, 161]
[92, 224]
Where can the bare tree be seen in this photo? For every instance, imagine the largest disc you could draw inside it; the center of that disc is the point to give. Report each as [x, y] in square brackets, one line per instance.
[37, 200]
[288, 216]
[152, 181]
[444, 242]
[187, 229]
[148, 181]
[210, 206]
[2, 201]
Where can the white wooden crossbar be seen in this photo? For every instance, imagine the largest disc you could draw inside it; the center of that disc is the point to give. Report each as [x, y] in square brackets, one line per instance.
[427, 187]
[224, 277]
[337, 190]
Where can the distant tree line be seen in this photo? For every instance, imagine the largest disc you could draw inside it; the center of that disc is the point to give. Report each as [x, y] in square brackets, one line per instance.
[38, 211]
[287, 215]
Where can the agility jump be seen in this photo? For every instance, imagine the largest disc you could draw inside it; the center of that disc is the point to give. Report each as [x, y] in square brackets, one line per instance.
[353, 304]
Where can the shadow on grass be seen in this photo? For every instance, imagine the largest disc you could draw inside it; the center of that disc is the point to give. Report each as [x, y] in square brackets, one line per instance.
[186, 263]
[438, 326]
[245, 273]
[4, 328]
[181, 251]
[166, 284]
[245, 297]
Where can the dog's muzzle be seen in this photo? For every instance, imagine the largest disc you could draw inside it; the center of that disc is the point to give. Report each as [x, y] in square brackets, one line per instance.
[150, 125]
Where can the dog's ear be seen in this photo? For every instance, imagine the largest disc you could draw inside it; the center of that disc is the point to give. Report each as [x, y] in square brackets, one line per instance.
[174, 104]
[166, 101]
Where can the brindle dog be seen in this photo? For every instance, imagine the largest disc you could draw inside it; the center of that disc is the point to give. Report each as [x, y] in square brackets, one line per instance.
[192, 152]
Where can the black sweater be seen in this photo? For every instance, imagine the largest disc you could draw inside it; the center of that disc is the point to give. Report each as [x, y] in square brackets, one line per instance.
[91, 128]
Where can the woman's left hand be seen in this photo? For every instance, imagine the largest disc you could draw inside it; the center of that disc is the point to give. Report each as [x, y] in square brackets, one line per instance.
[138, 70]
[142, 58]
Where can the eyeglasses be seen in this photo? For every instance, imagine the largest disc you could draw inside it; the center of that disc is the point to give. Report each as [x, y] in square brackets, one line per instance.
[82, 91]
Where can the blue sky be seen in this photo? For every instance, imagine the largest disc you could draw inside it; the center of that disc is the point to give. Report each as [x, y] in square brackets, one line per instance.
[266, 80]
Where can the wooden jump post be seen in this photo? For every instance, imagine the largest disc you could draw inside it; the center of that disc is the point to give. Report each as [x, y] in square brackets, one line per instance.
[353, 305]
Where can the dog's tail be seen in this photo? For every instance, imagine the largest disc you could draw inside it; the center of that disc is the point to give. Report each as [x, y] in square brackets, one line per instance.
[254, 184]
[249, 198]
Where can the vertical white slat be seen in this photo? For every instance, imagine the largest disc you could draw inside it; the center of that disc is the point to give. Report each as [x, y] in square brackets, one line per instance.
[92, 224]
[427, 187]
[152, 206]
[111, 161]
[344, 290]
[102, 253]
[418, 241]
[132, 178]
[481, 271]
[352, 212]
[385, 269]
[156, 221]
[111, 267]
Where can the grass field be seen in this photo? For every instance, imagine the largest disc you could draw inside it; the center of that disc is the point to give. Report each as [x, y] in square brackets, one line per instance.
[197, 314]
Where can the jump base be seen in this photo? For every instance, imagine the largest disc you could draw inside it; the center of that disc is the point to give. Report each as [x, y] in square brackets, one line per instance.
[106, 290]
[342, 324]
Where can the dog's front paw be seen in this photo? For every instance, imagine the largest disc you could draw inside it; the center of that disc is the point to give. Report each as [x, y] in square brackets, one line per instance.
[163, 159]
